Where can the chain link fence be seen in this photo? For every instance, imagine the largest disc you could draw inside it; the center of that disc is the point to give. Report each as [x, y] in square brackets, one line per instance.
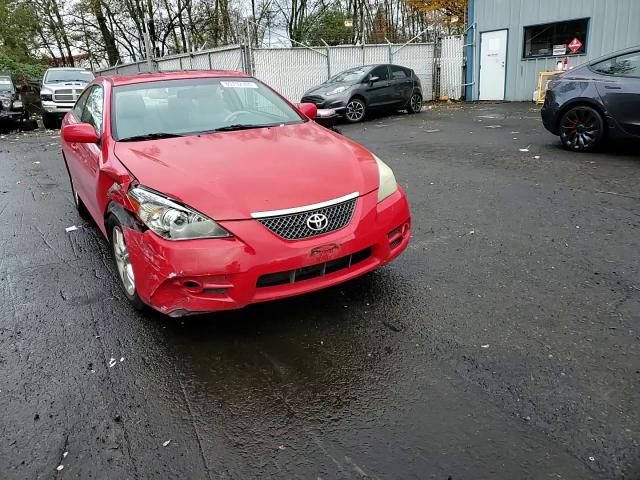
[292, 71]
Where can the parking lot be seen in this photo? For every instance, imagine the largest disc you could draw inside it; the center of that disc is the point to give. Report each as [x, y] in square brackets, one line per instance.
[503, 344]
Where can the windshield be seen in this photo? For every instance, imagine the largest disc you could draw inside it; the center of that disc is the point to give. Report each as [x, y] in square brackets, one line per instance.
[192, 106]
[56, 76]
[349, 76]
[6, 85]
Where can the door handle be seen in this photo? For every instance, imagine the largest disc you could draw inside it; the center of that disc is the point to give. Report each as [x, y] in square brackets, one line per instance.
[610, 87]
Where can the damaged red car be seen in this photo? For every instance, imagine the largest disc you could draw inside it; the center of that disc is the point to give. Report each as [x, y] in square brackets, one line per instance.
[215, 192]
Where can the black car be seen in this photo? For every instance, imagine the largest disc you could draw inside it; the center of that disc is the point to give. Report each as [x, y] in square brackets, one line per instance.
[11, 105]
[354, 92]
[594, 101]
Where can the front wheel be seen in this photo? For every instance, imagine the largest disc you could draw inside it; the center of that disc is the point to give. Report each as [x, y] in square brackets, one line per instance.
[356, 110]
[415, 103]
[581, 129]
[122, 260]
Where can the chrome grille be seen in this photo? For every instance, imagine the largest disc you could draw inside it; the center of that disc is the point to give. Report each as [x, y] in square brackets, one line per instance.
[294, 226]
[66, 95]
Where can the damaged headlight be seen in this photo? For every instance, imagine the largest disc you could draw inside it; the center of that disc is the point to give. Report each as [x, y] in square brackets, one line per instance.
[170, 219]
[388, 184]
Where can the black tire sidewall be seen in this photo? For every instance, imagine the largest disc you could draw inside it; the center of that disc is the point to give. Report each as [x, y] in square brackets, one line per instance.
[601, 130]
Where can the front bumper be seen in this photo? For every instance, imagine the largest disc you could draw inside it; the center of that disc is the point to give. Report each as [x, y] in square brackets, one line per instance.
[197, 276]
[333, 102]
[57, 108]
[11, 114]
[549, 112]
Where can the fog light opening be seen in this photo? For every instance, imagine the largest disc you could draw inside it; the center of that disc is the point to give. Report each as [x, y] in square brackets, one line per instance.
[192, 285]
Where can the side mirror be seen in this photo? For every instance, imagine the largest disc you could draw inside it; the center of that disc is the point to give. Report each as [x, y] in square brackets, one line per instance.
[309, 110]
[80, 133]
[373, 79]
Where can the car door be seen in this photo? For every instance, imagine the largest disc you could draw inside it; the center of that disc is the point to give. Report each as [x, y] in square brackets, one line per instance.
[378, 91]
[71, 150]
[619, 89]
[89, 154]
[401, 85]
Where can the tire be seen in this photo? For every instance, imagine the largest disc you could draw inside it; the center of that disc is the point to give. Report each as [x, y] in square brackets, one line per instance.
[356, 110]
[120, 254]
[50, 121]
[77, 201]
[582, 128]
[415, 103]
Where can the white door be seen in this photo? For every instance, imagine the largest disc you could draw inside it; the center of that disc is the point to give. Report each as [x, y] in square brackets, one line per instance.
[493, 60]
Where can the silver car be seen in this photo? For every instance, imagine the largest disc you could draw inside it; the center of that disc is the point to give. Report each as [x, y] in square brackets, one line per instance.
[356, 91]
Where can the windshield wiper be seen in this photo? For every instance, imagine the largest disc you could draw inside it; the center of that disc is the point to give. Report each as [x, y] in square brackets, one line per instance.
[150, 136]
[241, 126]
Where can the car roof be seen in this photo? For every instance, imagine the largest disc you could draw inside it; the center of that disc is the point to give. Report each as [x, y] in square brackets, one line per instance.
[67, 68]
[156, 77]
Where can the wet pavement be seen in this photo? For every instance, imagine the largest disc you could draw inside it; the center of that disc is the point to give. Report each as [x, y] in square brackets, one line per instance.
[503, 344]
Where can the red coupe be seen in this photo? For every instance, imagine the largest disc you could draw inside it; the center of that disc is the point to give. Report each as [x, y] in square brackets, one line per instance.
[215, 192]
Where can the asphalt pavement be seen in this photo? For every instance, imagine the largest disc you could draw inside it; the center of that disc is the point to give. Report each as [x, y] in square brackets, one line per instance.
[503, 344]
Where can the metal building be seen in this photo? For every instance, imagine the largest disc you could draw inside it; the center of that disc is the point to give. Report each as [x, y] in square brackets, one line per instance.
[510, 41]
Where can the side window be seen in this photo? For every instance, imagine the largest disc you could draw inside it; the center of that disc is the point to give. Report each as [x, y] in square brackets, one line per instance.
[92, 111]
[381, 72]
[398, 73]
[77, 108]
[623, 66]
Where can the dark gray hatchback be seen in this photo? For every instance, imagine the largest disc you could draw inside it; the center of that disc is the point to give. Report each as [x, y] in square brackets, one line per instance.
[354, 92]
[597, 100]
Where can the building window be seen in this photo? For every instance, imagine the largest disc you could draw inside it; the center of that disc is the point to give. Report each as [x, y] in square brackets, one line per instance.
[554, 39]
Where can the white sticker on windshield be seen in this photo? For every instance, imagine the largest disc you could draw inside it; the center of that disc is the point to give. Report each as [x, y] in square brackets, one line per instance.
[5, 81]
[238, 84]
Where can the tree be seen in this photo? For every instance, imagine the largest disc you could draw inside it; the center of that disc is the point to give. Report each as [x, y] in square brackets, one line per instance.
[328, 26]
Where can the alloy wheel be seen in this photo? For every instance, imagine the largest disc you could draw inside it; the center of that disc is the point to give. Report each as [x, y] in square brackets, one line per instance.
[415, 103]
[581, 128]
[355, 111]
[121, 253]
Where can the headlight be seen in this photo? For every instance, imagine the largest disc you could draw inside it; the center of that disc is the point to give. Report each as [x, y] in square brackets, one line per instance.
[388, 183]
[170, 219]
[6, 104]
[336, 91]
[17, 104]
[46, 95]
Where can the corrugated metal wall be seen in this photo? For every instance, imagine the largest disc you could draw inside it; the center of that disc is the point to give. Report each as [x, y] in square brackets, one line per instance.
[613, 25]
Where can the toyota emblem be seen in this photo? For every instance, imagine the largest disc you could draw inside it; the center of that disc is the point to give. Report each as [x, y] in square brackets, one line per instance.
[317, 222]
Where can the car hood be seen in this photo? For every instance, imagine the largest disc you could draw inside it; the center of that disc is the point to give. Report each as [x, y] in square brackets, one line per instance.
[327, 87]
[229, 175]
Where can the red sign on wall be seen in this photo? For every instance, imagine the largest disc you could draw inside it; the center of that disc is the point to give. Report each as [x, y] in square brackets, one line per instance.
[575, 45]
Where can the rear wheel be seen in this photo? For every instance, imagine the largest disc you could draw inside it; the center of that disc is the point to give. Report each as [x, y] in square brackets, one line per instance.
[122, 260]
[356, 110]
[581, 128]
[415, 103]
